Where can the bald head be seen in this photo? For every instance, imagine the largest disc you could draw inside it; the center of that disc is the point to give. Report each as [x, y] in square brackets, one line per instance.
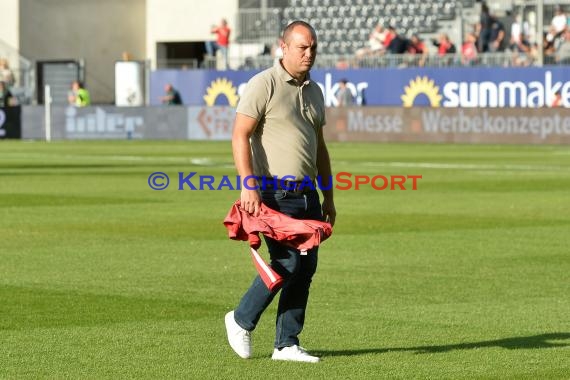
[288, 31]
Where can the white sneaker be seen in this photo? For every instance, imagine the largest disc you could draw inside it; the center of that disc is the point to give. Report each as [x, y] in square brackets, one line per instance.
[295, 354]
[239, 339]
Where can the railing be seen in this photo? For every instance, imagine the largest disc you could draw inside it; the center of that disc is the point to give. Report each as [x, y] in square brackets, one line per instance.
[506, 59]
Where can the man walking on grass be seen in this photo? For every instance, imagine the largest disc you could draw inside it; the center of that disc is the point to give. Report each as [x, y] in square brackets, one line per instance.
[278, 133]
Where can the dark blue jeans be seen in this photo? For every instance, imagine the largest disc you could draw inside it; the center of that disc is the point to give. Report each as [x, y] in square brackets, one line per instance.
[297, 271]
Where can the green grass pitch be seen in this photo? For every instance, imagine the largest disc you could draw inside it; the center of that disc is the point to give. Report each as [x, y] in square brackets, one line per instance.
[465, 278]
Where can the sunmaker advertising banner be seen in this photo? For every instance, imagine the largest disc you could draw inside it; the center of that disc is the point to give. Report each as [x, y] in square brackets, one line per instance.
[431, 87]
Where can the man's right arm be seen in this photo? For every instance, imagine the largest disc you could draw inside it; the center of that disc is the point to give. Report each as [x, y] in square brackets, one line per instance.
[243, 129]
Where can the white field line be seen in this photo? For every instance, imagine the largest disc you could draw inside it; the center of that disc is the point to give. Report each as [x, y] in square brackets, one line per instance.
[518, 173]
[207, 161]
[435, 165]
[198, 161]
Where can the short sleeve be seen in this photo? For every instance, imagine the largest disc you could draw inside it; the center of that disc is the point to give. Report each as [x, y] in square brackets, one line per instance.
[253, 102]
[321, 107]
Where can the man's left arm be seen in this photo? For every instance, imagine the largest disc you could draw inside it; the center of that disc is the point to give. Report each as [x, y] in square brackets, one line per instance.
[325, 174]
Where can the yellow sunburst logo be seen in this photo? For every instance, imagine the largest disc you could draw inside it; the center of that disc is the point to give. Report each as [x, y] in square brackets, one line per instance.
[421, 85]
[221, 86]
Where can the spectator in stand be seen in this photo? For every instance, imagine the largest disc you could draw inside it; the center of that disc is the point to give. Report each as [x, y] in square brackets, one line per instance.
[559, 21]
[549, 48]
[417, 47]
[344, 96]
[79, 96]
[519, 30]
[445, 48]
[444, 45]
[6, 74]
[522, 50]
[533, 53]
[497, 38]
[171, 96]
[484, 28]
[389, 36]
[222, 42]
[6, 98]
[519, 44]
[469, 50]
[554, 37]
[398, 44]
[562, 55]
[375, 45]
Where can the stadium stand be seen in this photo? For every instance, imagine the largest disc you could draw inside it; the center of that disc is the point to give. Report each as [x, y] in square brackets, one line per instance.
[354, 21]
[344, 27]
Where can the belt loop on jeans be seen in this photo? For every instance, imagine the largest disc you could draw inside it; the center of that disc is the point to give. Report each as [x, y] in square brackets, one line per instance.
[292, 186]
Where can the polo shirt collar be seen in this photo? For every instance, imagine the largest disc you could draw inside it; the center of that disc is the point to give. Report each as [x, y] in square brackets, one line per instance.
[284, 75]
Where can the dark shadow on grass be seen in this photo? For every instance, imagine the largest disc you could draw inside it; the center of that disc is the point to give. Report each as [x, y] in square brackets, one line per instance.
[516, 343]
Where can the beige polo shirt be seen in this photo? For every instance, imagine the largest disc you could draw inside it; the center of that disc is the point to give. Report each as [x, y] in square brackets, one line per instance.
[289, 115]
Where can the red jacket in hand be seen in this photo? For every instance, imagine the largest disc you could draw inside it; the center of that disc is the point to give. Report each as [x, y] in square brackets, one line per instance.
[300, 234]
[296, 233]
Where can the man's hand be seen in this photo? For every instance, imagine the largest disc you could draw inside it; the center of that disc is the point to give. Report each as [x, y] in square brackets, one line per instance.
[250, 201]
[250, 198]
[329, 211]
